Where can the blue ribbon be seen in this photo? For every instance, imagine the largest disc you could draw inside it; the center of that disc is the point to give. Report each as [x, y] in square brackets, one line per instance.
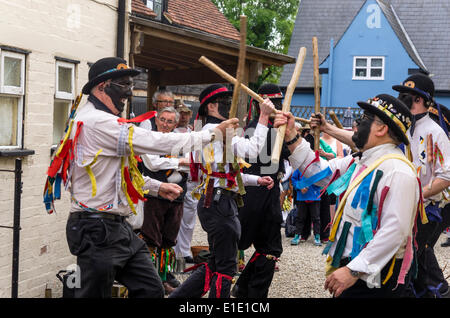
[362, 193]
[341, 184]
[306, 182]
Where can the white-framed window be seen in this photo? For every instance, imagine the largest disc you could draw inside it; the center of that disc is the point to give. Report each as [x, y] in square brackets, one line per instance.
[368, 68]
[12, 90]
[64, 95]
[65, 80]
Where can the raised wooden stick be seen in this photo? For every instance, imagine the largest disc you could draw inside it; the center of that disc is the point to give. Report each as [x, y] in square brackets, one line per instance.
[217, 69]
[335, 119]
[303, 120]
[316, 90]
[241, 67]
[276, 151]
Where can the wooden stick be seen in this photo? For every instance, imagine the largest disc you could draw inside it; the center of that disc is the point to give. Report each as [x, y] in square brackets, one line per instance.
[217, 69]
[316, 90]
[335, 119]
[241, 67]
[303, 120]
[276, 151]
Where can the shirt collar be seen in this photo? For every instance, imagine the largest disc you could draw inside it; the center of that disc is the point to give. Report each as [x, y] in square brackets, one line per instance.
[99, 104]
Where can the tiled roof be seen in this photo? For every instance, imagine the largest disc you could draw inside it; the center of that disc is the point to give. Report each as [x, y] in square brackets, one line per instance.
[200, 15]
[420, 25]
[138, 6]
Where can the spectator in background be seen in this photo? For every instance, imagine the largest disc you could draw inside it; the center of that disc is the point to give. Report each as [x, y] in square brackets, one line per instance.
[185, 117]
[308, 203]
[348, 118]
[162, 217]
[184, 238]
[160, 100]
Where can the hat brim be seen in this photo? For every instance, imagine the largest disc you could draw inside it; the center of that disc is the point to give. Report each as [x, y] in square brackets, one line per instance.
[386, 119]
[407, 89]
[202, 108]
[106, 76]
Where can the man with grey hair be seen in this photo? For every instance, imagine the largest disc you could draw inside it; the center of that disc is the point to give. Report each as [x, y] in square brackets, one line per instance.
[162, 217]
[161, 99]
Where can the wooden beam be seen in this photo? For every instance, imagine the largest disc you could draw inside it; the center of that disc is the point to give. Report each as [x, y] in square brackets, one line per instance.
[192, 76]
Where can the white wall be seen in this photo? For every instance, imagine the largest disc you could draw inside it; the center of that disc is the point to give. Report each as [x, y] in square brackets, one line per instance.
[81, 30]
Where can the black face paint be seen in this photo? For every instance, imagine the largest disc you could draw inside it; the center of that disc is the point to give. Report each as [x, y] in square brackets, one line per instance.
[118, 90]
[277, 102]
[406, 98]
[361, 135]
[224, 107]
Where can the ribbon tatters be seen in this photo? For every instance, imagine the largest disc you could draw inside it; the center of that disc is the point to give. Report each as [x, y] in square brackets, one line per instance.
[132, 180]
[60, 164]
[369, 218]
[227, 180]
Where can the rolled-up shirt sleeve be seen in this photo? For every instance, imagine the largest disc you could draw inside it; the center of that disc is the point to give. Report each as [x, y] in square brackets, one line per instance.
[250, 179]
[152, 185]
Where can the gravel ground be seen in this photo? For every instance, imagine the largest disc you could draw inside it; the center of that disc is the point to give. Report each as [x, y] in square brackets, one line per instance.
[301, 273]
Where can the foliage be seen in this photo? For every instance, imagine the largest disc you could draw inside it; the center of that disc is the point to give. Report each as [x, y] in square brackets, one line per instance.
[269, 26]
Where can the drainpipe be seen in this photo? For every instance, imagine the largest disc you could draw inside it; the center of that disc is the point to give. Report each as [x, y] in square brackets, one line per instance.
[120, 29]
[16, 227]
[330, 72]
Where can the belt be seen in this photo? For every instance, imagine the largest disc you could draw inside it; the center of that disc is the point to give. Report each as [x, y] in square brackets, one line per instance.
[95, 215]
[228, 193]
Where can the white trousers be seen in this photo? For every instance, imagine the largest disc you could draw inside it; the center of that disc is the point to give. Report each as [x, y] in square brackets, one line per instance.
[184, 238]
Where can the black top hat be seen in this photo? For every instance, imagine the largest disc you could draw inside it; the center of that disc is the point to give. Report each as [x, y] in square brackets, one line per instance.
[417, 84]
[392, 112]
[107, 68]
[209, 94]
[270, 91]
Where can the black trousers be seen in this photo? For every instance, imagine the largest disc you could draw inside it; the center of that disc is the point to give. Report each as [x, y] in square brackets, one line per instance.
[389, 290]
[260, 219]
[109, 250]
[430, 274]
[303, 210]
[220, 222]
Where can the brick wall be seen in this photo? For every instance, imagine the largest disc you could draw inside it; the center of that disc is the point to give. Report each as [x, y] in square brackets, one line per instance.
[81, 30]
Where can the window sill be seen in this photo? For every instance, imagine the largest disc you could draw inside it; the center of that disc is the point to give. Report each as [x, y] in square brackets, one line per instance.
[16, 152]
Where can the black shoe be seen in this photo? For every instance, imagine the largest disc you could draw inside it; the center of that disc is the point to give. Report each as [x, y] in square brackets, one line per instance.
[189, 259]
[446, 243]
[234, 291]
[172, 281]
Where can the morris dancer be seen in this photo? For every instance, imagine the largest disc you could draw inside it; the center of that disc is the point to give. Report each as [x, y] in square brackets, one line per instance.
[261, 216]
[371, 240]
[97, 159]
[221, 190]
[430, 150]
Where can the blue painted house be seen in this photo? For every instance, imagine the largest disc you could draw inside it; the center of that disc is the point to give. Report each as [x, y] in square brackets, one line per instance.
[366, 46]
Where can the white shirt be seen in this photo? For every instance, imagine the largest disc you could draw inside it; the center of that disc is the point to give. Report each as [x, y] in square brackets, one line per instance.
[399, 208]
[241, 147]
[101, 130]
[419, 141]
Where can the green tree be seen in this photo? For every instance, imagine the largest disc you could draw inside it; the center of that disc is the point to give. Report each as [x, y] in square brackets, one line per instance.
[269, 26]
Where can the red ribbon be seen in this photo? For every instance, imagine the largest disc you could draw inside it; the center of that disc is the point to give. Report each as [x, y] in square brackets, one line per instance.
[208, 275]
[139, 118]
[133, 193]
[219, 282]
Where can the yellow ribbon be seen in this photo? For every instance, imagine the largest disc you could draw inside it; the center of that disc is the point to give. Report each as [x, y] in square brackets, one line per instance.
[91, 174]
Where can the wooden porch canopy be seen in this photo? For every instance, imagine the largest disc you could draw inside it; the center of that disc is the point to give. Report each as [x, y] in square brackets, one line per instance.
[170, 54]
